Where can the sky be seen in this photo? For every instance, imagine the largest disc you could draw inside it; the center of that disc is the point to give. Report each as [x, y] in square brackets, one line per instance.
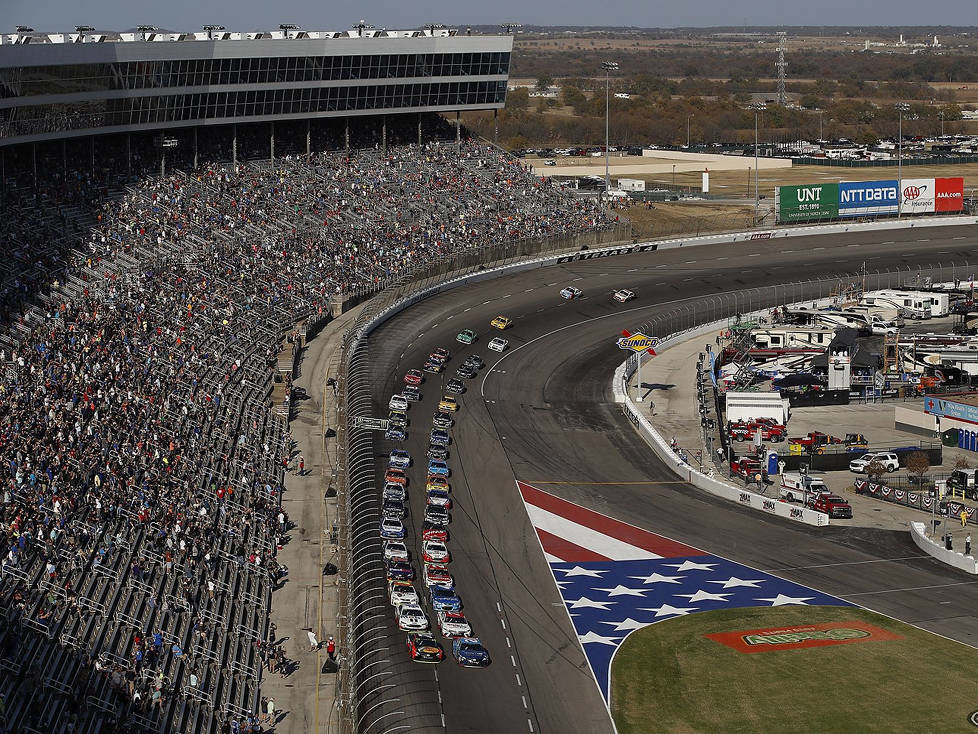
[247, 15]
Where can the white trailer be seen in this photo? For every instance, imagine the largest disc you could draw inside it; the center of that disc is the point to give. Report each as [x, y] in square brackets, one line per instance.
[794, 489]
[924, 303]
[748, 406]
[631, 184]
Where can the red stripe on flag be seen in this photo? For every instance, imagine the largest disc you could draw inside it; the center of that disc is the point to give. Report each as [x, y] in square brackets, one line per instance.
[567, 551]
[622, 531]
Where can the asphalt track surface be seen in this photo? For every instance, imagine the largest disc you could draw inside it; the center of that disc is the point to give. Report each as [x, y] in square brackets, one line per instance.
[542, 413]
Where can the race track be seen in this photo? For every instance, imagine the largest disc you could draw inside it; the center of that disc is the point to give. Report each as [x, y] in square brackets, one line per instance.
[542, 413]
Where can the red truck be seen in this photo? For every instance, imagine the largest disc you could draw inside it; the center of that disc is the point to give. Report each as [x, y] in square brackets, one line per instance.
[770, 430]
[831, 504]
[746, 468]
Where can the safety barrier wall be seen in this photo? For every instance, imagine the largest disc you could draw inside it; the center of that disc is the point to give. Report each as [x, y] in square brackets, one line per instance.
[938, 551]
[362, 556]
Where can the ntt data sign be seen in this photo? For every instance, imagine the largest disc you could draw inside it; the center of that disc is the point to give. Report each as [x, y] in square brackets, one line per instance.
[807, 203]
[869, 198]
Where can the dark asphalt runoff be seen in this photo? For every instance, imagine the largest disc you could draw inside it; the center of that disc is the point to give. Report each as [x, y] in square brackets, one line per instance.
[543, 413]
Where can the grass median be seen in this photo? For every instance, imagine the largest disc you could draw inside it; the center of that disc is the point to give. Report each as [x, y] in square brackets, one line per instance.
[669, 677]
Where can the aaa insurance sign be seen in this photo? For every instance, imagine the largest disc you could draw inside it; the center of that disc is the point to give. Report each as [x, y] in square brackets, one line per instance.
[868, 198]
[929, 195]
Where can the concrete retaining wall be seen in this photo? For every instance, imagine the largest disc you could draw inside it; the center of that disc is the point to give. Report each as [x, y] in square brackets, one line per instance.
[938, 551]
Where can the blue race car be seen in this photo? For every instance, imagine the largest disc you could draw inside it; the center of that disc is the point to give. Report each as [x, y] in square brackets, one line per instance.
[399, 459]
[440, 437]
[438, 467]
[469, 653]
[445, 600]
[395, 434]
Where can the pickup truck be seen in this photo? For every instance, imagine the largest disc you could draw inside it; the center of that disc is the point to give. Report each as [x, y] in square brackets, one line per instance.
[822, 443]
[747, 468]
[964, 481]
[746, 430]
[831, 504]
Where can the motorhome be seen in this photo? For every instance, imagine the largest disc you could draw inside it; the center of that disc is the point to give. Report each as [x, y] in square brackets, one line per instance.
[918, 304]
[846, 319]
[792, 337]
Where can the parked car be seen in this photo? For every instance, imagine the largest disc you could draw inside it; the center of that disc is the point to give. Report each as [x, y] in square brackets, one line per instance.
[891, 462]
[831, 504]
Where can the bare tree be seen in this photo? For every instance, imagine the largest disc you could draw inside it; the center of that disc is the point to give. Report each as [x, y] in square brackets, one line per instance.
[962, 463]
[918, 464]
[874, 470]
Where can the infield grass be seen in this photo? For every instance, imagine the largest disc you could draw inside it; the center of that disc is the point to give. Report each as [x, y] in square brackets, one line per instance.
[670, 678]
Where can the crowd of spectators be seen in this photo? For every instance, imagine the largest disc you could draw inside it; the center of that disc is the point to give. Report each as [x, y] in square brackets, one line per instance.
[140, 324]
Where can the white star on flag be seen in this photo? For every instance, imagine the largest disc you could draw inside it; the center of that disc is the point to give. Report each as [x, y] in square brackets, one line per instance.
[691, 566]
[703, 595]
[585, 602]
[656, 578]
[625, 591]
[667, 609]
[734, 581]
[627, 624]
[782, 600]
[595, 637]
[578, 571]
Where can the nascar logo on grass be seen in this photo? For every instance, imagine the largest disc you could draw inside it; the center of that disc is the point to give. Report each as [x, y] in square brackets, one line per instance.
[615, 578]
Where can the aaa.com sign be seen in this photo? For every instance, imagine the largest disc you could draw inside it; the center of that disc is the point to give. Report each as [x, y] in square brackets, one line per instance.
[802, 636]
[929, 195]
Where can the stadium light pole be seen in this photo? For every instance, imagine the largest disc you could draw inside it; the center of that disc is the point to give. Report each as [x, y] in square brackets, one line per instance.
[608, 66]
[900, 162]
[757, 198]
[688, 118]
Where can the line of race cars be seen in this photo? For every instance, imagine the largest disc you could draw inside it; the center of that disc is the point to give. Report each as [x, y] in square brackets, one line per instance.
[423, 645]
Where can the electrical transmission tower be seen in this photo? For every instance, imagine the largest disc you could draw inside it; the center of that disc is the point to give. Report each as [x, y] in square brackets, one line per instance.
[781, 66]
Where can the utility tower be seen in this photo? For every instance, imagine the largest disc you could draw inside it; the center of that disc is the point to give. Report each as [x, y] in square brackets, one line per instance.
[781, 66]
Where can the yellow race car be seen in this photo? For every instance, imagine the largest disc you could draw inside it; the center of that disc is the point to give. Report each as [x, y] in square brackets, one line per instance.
[501, 322]
[448, 404]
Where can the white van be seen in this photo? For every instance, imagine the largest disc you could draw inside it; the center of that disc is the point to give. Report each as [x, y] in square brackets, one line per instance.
[793, 486]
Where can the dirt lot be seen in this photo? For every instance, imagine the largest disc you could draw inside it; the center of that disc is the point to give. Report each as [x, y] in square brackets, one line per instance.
[687, 218]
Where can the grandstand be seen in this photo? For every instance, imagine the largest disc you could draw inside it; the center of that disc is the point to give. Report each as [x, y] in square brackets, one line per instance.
[142, 313]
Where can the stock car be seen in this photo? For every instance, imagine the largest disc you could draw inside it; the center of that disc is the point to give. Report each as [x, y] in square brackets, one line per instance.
[399, 571]
[436, 481]
[398, 402]
[447, 404]
[441, 353]
[397, 419]
[438, 467]
[394, 491]
[423, 648]
[433, 367]
[411, 617]
[435, 575]
[444, 600]
[474, 361]
[438, 498]
[393, 509]
[470, 653]
[453, 624]
[411, 392]
[395, 476]
[391, 528]
[395, 434]
[442, 420]
[434, 551]
[440, 436]
[414, 377]
[501, 322]
[570, 293]
[466, 336]
[395, 550]
[437, 451]
[403, 592]
[623, 296]
[455, 385]
[399, 459]
[498, 344]
[465, 371]
[437, 515]
[434, 532]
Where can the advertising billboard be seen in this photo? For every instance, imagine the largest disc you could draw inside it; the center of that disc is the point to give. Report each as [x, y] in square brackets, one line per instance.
[807, 203]
[868, 198]
[950, 194]
[917, 196]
